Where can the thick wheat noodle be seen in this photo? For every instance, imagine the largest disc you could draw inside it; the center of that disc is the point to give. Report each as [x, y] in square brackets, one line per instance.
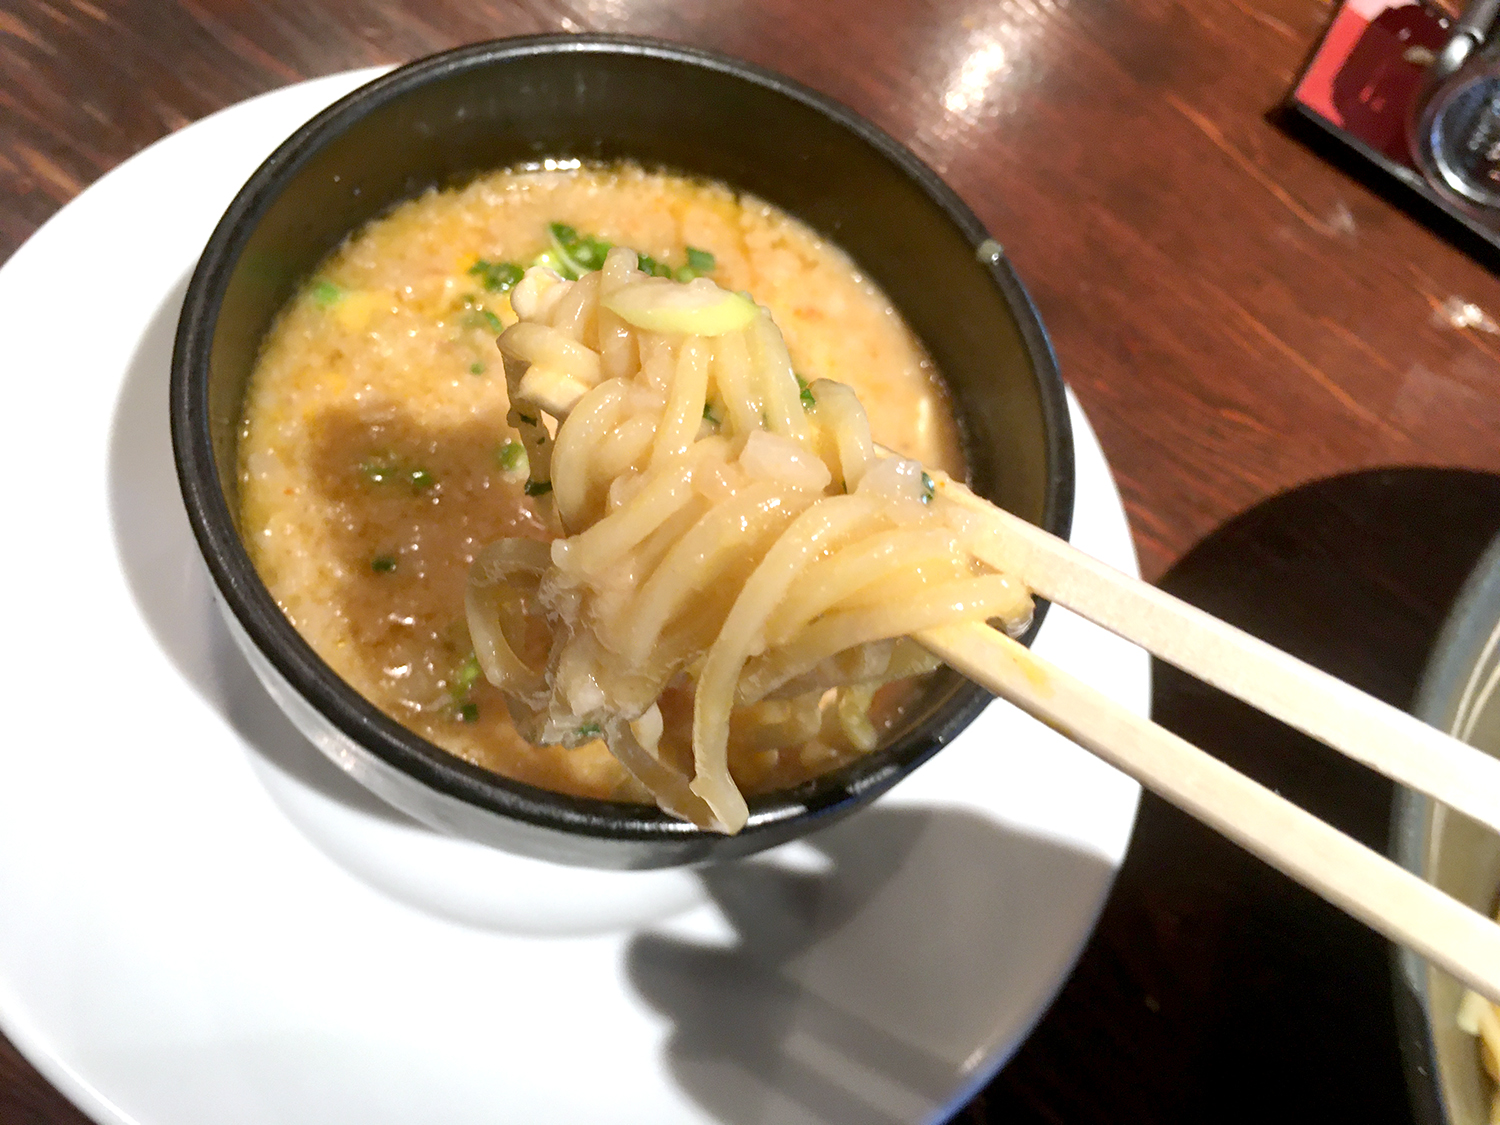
[592, 419]
[552, 348]
[780, 394]
[603, 544]
[732, 372]
[684, 414]
[648, 556]
[833, 580]
[658, 359]
[613, 613]
[618, 354]
[704, 553]
[740, 634]
[574, 314]
[851, 433]
[484, 604]
[625, 448]
[989, 595]
[688, 560]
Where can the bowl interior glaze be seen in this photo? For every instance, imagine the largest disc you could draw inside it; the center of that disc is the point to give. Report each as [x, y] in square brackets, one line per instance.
[443, 120]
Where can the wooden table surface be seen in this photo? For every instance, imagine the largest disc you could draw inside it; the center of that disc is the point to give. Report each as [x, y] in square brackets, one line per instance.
[1304, 446]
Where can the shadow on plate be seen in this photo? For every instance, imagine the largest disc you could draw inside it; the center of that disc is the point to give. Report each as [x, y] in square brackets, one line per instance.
[1215, 988]
[870, 987]
[170, 582]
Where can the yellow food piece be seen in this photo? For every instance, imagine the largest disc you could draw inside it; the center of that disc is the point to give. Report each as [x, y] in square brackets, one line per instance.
[699, 308]
[354, 310]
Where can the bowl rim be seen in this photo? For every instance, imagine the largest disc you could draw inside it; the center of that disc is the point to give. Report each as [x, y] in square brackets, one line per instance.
[1456, 655]
[249, 602]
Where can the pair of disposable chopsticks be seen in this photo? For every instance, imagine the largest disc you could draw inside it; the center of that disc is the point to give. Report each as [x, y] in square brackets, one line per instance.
[1351, 876]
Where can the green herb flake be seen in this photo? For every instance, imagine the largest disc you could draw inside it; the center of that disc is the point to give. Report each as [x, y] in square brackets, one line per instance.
[527, 418]
[708, 413]
[467, 675]
[552, 260]
[469, 713]
[699, 261]
[377, 472]
[382, 564]
[510, 456]
[483, 318]
[646, 264]
[929, 489]
[808, 401]
[476, 369]
[497, 277]
[590, 252]
[537, 487]
[325, 293]
[389, 470]
[562, 256]
[590, 730]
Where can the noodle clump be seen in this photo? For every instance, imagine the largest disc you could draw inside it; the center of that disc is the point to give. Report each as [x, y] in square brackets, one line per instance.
[728, 539]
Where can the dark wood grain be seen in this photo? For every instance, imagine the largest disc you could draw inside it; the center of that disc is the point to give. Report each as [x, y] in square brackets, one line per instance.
[1240, 319]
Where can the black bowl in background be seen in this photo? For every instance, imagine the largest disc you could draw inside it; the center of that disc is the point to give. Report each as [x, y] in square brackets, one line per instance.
[1459, 856]
[441, 121]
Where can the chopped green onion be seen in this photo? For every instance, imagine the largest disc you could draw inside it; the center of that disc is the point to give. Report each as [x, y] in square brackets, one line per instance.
[708, 413]
[589, 252]
[511, 454]
[469, 713]
[564, 242]
[476, 369]
[325, 292]
[590, 730]
[808, 402]
[497, 277]
[550, 259]
[467, 674]
[483, 318]
[929, 489]
[572, 255]
[537, 487]
[382, 564]
[699, 261]
[388, 470]
[527, 418]
[377, 472]
[649, 265]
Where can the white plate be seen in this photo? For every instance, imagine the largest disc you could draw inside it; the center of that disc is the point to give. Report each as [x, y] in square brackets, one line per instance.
[202, 922]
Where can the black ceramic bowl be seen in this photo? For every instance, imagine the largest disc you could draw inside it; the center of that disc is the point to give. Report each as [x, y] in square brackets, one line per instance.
[443, 120]
[1458, 694]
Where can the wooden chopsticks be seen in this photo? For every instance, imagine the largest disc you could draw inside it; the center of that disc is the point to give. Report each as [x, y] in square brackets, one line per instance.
[1344, 871]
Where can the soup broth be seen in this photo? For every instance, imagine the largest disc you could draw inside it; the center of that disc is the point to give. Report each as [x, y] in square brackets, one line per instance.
[376, 461]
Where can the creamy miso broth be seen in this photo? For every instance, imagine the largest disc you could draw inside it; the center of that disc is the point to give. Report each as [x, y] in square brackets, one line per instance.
[375, 458]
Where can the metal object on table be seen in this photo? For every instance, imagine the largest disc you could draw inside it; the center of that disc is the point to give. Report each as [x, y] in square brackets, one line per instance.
[1455, 134]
